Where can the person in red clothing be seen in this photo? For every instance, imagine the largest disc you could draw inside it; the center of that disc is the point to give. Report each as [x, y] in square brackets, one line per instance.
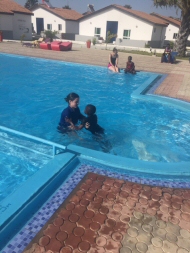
[130, 66]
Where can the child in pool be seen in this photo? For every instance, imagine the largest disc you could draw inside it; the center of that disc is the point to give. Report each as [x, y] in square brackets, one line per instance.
[90, 122]
[70, 115]
[130, 66]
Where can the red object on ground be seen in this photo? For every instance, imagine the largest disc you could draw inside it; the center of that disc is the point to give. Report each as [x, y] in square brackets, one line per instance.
[1, 37]
[88, 44]
[65, 46]
[61, 46]
[46, 46]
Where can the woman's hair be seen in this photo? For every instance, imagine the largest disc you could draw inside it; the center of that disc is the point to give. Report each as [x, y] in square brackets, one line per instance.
[71, 96]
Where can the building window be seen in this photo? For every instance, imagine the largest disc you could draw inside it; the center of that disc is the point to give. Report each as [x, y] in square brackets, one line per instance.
[126, 34]
[175, 35]
[60, 27]
[154, 29]
[49, 26]
[97, 31]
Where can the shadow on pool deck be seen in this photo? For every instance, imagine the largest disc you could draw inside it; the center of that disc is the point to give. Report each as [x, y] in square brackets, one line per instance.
[176, 85]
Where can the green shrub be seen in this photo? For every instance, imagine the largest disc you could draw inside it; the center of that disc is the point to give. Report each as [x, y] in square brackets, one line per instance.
[147, 45]
[50, 34]
[22, 37]
[171, 44]
[94, 41]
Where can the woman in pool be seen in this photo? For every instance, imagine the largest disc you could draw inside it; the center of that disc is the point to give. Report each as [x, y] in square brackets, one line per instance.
[71, 113]
[113, 61]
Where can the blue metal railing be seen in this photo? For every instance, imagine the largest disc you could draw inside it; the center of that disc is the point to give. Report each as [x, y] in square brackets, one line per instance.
[50, 143]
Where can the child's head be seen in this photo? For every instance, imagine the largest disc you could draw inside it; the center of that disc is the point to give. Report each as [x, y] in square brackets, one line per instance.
[130, 58]
[72, 99]
[90, 110]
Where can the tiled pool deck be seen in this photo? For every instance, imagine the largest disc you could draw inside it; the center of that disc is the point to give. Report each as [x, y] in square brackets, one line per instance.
[109, 212]
[111, 215]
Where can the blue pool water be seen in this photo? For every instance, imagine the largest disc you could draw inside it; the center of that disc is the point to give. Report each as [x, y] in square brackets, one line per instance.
[32, 95]
[32, 99]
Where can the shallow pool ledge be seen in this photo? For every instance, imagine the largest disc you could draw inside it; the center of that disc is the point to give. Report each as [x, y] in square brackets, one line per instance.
[160, 168]
[16, 208]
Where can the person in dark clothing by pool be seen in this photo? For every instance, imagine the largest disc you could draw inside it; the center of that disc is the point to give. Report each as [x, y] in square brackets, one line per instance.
[113, 61]
[90, 122]
[70, 115]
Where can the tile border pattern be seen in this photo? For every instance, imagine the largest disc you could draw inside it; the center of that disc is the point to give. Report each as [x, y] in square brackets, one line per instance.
[28, 232]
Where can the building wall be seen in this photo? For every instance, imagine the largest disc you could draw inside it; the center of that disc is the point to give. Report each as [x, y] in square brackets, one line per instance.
[13, 26]
[6, 26]
[72, 27]
[171, 29]
[140, 30]
[49, 18]
[158, 34]
[22, 25]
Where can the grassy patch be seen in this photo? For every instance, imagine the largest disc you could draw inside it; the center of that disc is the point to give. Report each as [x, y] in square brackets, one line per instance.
[149, 54]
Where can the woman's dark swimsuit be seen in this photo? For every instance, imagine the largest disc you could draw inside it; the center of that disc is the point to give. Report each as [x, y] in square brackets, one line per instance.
[113, 61]
[73, 114]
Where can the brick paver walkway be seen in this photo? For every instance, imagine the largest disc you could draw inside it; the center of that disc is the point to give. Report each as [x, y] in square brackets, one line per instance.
[176, 85]
[107, 215]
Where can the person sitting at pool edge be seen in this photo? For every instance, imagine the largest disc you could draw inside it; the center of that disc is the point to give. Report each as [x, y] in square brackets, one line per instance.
[90, 122]
[70, 114]
[166, 56]
[130, 66]
[113, 61]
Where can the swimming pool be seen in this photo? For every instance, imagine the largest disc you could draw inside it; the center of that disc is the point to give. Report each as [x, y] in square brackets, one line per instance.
[44, 111]
[137, 129]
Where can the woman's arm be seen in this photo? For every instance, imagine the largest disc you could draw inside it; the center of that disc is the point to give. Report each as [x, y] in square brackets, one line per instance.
[117, 61]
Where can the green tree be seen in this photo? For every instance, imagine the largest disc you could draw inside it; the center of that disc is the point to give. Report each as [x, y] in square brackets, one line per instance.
[66, 7]
[30, 3]
[50, 34]
[184, 30]
[109, 37]
[127, 6]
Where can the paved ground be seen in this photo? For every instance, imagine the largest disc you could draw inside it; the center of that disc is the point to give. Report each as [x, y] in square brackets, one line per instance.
[176, 85]
[106, 215]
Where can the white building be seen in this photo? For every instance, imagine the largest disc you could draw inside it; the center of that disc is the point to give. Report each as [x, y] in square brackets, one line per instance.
[133, 28]
[173, 27]
[15, 20]
[65, 21]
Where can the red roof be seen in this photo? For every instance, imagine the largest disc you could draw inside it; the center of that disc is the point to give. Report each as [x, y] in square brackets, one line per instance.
[138, 14]
[168, 19]
[60, 12]
[10, 7]
[142, 15]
